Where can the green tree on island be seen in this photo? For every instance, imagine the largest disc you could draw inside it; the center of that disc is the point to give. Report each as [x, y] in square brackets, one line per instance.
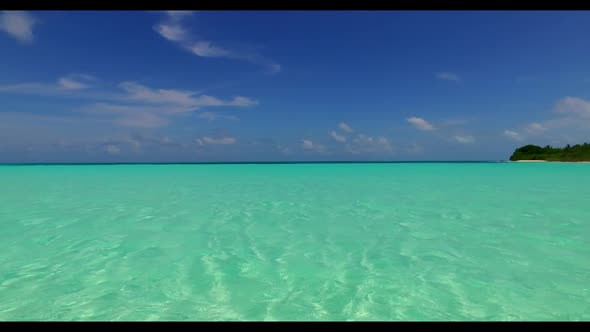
[568, 153]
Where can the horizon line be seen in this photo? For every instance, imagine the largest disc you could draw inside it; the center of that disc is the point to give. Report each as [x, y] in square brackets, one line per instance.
[250, 162]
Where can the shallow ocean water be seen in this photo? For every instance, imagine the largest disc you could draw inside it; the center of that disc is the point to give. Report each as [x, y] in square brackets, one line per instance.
[401, 241]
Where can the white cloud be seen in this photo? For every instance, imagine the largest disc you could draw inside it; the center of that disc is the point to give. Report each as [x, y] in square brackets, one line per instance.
[115, 143]
[571, 124]
[573, 105]
[345, 127]
[130, 115]
[311, 146]
[447, 76]
[64, 86]
[363, 143]
[337, 137]
[210, 116]
[307, 144]
[177, 14]
[181, 98]
[112, 149]
[143, 93]
[535, 127]
[206, 49]
[420, 123]
[172, 29]
[242, 102]
[134, 142]
[274, 68]
[71, 84]
[361, 138]
[137, 106]
[18, 24]
[222, 140]
[108, 108]
[513, 134]
[464, 139]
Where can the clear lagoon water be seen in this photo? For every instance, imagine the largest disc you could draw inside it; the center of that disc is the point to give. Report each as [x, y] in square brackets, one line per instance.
[401, 241]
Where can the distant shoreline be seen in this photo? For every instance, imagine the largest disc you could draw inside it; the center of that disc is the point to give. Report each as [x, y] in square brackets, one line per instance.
[548, 161]
[261, 163]
[293, 163]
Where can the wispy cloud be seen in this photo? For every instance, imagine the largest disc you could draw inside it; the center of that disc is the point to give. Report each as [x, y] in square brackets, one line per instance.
[360, 143]
[171, 32]
[135, 105]
[109, 108]
[571, 122]
[208, 116]
[138, 142]
[144, 116]
[208, 50]
[513, 135]
[142, 93]
[345, 127]
[70, 84]
[216, 141]
[535, 127]
[368, 144]
[283, 149]
[573, 105]
[309, 145]
[464, 139]
[178, 14]
[447, 76]
[18, 24]
[115, 145]
[212, 116]
[64, 86]
[415, 148]
[172, 29]
[242, 102]
[337, 137]
[75, 82]
[188, 99]
[142, 120]
[112, 149]
[420, 123]
[130, 115]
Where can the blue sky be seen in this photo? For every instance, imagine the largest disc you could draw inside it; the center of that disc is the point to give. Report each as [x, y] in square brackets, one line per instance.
[283, 86]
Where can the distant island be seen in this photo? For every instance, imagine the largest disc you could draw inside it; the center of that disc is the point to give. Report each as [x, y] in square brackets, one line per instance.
[548, 153]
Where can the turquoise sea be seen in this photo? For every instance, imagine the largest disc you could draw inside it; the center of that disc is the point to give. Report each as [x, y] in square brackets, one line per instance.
[398, 241]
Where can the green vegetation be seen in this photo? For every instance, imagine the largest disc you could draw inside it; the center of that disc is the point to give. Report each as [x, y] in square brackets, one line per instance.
[568, 153]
